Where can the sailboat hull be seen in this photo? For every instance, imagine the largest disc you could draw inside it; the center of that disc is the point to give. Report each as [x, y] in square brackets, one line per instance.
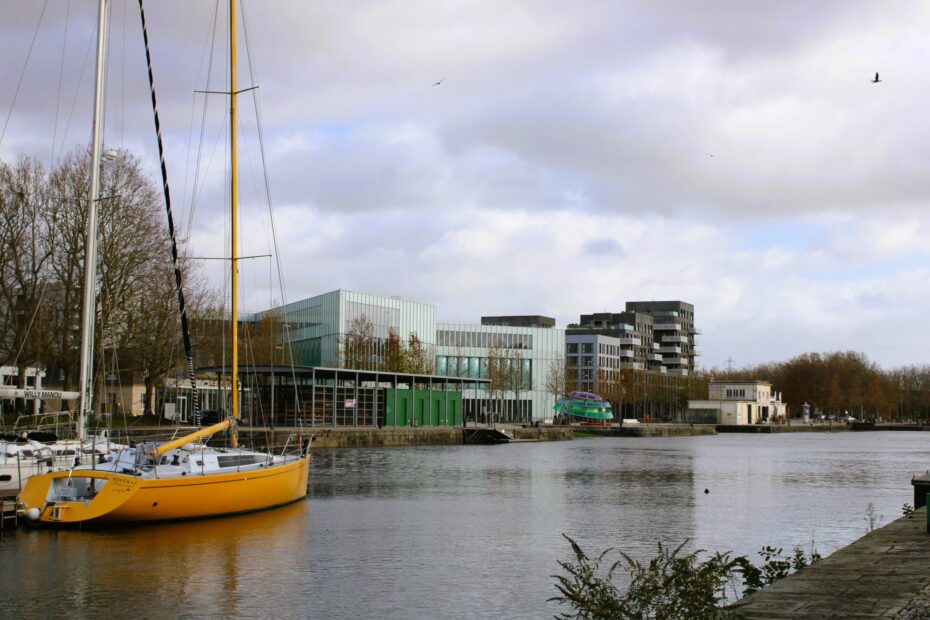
[130, 499]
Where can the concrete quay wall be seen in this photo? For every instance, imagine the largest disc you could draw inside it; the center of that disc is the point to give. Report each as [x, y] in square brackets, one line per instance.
[884, 574]
[647, 430]
[782, 428]
[328, 437]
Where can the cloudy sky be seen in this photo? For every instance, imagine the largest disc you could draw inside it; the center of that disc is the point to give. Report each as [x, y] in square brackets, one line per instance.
[575, 155]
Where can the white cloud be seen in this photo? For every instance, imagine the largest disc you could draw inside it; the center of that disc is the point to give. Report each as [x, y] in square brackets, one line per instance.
[575, 157]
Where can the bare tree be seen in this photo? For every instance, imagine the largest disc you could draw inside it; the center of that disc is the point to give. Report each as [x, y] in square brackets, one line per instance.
[358, 347]
[420, 359]
[43, 221]
[24, 270]
[557, 383]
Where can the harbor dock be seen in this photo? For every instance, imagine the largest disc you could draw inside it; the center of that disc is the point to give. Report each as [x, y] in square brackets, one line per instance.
[355, 437]
[884, 574]
[647, 430]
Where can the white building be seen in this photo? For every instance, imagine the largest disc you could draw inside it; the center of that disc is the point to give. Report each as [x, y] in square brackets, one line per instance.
[738, 402]
[463, 350]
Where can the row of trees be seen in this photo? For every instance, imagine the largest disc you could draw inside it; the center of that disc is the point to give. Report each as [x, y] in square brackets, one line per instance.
[43, 221]
[361, 349]
[832, 383]
[632, 393]
[840, 382]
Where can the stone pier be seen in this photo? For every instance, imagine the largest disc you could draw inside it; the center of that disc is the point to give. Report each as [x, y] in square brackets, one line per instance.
[884, 574]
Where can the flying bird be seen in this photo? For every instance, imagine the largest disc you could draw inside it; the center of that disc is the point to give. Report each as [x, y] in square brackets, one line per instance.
[876, 80]
[444, 79]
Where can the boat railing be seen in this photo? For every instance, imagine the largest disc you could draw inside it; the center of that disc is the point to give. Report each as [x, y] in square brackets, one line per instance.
[55, 422]
[295, 443]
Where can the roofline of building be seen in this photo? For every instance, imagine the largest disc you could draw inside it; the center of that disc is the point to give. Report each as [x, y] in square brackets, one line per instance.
[309, 370]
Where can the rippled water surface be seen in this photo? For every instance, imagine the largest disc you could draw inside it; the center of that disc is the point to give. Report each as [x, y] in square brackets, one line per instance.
[459, 532]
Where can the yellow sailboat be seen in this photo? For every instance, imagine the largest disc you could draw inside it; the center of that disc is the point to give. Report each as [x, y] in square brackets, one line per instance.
[182, 478]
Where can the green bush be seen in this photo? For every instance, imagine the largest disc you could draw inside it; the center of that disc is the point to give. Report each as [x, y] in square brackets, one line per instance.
[673, 585]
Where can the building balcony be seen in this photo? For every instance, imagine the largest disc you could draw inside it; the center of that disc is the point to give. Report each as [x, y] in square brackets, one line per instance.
[695, 353]
[681, 339]
[695, 330]
[654, 357]
[670, 349]
[626, 353]
[678, 371]
[633, 365]
[666, 327]
[630, 341]
[675, 361]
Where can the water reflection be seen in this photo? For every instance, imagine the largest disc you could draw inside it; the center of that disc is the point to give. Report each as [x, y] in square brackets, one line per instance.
[460, 532]
[189, 569]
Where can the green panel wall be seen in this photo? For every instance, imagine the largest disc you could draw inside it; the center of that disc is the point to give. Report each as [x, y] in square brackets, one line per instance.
[413, 409]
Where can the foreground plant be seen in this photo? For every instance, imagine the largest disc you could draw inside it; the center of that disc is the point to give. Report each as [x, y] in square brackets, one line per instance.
[673, 585]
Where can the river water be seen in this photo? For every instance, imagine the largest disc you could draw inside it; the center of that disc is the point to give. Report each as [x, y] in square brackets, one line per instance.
[471, 531]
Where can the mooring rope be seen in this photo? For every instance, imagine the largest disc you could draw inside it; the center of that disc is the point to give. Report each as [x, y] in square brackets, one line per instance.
[188, 351]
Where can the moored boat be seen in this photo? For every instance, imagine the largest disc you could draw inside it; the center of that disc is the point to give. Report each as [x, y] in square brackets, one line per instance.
[182, 478]
[179, 479]
[24, 457]
[584, 407]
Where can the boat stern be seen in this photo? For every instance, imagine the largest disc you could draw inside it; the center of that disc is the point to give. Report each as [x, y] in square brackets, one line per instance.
[70, 497]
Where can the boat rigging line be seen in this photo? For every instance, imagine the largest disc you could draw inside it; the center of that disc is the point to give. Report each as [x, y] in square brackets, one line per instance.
[61, 74]
[22, 73]
[274, 230]
[203, 121]
[185, 330]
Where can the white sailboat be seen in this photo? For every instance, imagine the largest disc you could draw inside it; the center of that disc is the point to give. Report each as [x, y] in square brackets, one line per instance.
[182, 478]
[26, 453]
[22, 458]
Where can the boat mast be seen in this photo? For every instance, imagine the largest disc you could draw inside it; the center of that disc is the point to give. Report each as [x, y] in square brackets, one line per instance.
[90, 252]
[233, 195]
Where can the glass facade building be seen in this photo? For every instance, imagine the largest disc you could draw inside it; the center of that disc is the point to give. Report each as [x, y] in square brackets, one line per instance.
[316, 326]
[525, 353]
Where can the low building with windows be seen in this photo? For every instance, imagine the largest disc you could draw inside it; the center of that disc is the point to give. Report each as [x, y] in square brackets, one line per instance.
[738, 402]
[523, 355]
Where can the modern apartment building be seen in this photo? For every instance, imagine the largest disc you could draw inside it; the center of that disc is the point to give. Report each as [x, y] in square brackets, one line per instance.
[657, 336]
[673, 330]
[643, 354]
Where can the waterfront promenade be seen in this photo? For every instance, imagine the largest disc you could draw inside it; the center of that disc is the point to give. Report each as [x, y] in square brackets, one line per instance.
[885, 574]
